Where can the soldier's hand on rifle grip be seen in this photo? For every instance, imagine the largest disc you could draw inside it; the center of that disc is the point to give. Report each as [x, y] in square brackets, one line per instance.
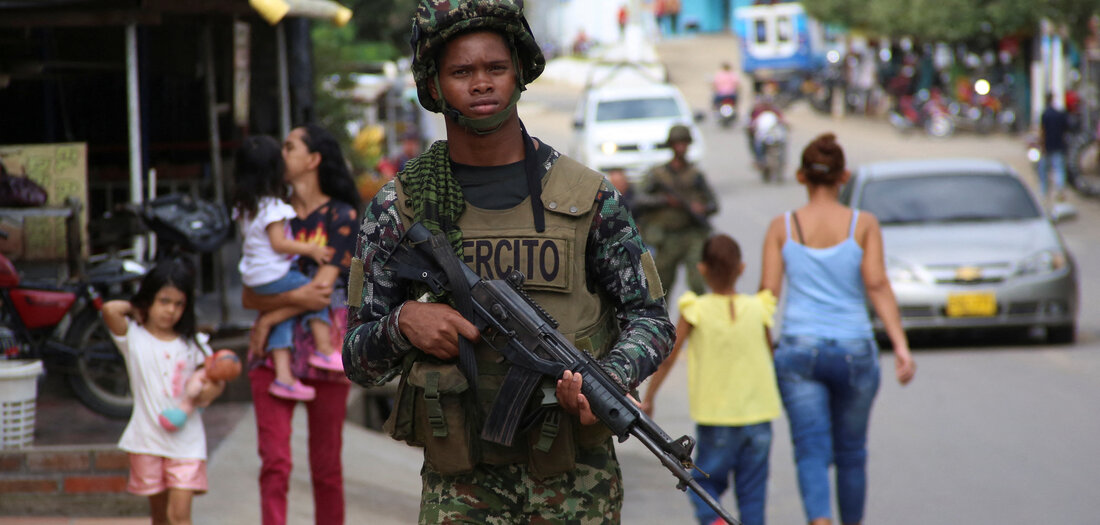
[434, 328]
[699, 208]
[572, 400]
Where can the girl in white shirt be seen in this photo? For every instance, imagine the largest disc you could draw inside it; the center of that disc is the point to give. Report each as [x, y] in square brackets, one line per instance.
[155, 332]
[267, 264]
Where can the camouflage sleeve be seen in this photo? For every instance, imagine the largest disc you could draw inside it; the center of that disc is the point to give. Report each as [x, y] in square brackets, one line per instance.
[373, 345]
[615, 264]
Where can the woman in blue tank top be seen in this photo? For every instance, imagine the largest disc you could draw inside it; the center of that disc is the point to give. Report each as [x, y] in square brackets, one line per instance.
[827, 359]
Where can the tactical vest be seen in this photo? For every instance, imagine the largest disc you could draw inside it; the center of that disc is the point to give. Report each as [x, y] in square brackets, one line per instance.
[553, 262]
[686, 185]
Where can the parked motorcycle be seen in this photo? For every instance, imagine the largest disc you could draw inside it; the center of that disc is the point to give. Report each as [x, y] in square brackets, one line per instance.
[972, 117]
[1083, 165]
[926, 110]
[906, 115]
[61, 323]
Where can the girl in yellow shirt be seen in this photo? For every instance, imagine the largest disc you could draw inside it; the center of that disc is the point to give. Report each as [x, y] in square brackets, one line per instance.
[731, 382]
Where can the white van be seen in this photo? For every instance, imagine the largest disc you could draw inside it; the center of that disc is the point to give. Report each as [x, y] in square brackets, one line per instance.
[626, 125]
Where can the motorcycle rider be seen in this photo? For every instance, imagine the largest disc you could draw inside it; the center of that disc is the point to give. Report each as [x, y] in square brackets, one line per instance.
[765, 114]
[725, 84]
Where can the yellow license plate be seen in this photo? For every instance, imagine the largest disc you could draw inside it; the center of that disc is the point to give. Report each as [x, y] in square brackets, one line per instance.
[972, 304]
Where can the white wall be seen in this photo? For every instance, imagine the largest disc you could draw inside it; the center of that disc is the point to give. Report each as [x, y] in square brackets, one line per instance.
[559, 21]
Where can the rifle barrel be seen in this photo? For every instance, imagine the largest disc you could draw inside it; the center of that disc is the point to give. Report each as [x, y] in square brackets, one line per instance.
[683, 475]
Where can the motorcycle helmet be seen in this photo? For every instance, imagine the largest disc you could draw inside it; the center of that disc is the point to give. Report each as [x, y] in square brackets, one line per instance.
[437, 21]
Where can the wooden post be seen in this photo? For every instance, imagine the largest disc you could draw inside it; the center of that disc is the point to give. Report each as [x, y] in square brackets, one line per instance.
[73, 249]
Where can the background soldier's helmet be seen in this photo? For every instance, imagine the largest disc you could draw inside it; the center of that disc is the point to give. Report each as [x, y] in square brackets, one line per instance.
[437, 21]
[679, 133]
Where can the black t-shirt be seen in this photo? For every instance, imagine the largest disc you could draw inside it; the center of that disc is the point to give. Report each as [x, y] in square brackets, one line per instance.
[1055, 123]
[497, 187]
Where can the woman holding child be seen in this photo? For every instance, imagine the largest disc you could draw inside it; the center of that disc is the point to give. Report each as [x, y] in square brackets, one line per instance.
[326, 206]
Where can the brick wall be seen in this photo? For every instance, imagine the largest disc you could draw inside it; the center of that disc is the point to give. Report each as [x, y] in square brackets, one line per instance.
[71, 480]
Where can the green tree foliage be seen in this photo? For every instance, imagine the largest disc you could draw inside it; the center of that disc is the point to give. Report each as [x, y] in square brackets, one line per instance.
[847, 13]
[1073, 14]
[338, 52]
[383, 21]
[378, 31]
[954, 20]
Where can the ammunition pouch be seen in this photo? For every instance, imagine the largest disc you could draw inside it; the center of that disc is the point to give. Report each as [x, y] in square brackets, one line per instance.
[428, 412]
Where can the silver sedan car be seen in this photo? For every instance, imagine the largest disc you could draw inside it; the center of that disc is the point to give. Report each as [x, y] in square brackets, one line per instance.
[968, 246]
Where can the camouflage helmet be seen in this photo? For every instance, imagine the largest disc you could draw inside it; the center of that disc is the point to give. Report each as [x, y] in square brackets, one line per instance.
[679, 133]
[437, 21]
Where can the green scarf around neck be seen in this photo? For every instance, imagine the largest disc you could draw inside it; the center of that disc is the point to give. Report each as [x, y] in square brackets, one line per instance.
[433, 194]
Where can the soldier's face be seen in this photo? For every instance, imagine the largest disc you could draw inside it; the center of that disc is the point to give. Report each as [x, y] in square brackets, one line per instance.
[476, 74]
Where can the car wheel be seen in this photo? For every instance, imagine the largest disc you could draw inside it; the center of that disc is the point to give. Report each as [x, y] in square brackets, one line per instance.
[1062, 335]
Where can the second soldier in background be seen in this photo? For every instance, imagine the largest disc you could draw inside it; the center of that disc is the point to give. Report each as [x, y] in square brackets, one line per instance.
[673, 205]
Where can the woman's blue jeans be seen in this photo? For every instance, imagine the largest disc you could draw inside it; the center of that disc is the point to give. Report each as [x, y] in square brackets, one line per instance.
[741, 451]
[1052, 161]
[828, 386]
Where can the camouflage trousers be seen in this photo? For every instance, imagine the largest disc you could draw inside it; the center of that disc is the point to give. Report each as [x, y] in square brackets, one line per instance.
[681, 247]
[507, 494]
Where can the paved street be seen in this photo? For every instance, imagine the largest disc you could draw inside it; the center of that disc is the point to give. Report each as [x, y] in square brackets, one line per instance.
[1001, 433]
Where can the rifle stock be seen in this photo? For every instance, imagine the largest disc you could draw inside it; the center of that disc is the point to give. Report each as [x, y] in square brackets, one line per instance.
[527, 336]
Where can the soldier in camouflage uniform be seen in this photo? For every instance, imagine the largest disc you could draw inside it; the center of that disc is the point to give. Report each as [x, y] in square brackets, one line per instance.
[674, 204]
[505, 201]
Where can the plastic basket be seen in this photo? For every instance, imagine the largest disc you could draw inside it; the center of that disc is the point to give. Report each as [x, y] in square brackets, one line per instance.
[18, 391]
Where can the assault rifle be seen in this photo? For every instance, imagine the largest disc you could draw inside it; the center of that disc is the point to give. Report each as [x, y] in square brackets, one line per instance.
[527, 336]
[685, 203]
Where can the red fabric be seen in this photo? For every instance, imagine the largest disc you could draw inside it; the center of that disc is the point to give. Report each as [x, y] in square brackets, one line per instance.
[1072, 101]
[325, 415]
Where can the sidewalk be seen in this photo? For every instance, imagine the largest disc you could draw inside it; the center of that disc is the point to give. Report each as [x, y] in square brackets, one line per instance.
[29, 520]
[381, 478]
[381, 481]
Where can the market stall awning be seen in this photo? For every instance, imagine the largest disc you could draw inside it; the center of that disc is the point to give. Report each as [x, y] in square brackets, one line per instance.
[39, 13]
[275, 10]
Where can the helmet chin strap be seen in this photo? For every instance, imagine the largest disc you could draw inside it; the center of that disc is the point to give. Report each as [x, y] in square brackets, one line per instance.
[484, 125]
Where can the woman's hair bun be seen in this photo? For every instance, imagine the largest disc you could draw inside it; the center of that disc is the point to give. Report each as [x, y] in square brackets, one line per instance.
[823, 160]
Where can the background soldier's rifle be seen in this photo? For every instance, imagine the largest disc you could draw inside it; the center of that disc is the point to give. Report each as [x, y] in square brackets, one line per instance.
[685, 203]
[528, 338]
